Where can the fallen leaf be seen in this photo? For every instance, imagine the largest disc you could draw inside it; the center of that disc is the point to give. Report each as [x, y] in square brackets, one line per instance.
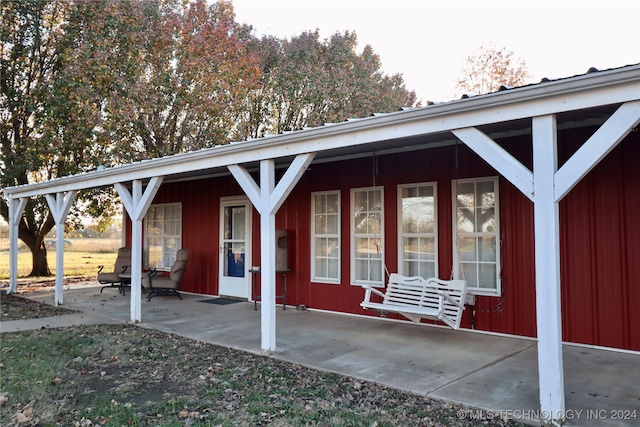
[22, 418]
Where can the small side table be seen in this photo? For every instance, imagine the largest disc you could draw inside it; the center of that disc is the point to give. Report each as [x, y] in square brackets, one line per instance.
[126, 281]
[255, 271]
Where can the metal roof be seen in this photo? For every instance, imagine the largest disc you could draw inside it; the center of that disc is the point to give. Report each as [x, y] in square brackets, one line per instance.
[578, 100]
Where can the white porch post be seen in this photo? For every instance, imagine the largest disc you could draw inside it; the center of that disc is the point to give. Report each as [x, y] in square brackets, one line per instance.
[267, 258]
[136, 204]
[59, 207]
[540, 188]
[136, 256]
[16, 208]
[267, 199]
[547, 267]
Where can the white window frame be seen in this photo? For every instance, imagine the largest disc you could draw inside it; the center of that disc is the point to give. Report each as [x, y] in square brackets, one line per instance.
[375, 236]
[167, 255]
[457, 270]
[419, 235]
[316, 276]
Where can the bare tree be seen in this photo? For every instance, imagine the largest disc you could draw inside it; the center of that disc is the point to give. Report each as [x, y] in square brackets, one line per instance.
[489, 68]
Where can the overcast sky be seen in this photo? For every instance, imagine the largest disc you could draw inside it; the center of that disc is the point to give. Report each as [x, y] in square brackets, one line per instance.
[428, 40]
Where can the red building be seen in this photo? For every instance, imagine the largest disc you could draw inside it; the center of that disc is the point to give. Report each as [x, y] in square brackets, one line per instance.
[600, 240]
[531, 195]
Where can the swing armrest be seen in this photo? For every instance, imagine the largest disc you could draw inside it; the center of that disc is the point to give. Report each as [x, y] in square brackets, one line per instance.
[369, 290]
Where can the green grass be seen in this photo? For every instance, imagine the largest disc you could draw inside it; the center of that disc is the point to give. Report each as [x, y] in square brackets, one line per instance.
[124, 375]
[82, 258]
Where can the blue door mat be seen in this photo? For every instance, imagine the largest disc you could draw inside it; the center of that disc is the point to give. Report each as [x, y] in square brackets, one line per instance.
[220, 301]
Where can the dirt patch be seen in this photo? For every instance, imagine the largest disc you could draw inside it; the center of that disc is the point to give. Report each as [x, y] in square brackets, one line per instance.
[27, 285]
[16, 307]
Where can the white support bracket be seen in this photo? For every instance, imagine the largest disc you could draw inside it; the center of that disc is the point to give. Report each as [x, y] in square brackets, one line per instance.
[59, 205]
[288, 181]
[16, 209]
[507, 165]
[605, 139]
[136, 203]
[267, 199]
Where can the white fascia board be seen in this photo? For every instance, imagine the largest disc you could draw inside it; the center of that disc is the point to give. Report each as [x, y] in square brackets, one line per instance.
[591, 90]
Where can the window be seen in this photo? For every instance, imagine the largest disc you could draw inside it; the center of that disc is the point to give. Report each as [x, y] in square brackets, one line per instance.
[367, 243]
[163, 235]
[476, 239]
[417, 230]
[325, 237]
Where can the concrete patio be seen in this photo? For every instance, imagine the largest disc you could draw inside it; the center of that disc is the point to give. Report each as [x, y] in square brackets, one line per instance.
[494, 373]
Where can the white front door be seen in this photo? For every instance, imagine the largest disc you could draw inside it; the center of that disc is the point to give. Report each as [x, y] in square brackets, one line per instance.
[235, 247]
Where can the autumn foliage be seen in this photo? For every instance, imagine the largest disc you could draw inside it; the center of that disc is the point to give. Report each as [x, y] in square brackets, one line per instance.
[107, 82]
[489, 68]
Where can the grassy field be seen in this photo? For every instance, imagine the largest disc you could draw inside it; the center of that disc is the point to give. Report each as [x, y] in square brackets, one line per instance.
[82, 257]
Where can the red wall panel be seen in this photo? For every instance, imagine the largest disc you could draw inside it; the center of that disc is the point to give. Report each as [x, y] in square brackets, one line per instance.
[599, 243]
[631, 250]
[600, 237]
[438, 165]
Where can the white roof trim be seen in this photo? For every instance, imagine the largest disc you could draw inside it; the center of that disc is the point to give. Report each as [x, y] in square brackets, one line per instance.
[580, 92]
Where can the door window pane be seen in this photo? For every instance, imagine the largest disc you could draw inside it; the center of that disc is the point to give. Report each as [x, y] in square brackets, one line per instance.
[234, 259]
[234, 241]
[234, 220]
